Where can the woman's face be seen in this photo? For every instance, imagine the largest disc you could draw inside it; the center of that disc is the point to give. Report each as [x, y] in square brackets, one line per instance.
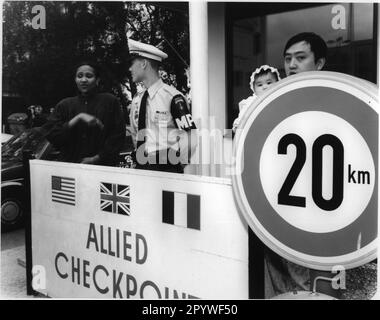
[86, 79]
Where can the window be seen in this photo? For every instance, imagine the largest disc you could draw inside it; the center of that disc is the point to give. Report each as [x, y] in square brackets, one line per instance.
[259, 31]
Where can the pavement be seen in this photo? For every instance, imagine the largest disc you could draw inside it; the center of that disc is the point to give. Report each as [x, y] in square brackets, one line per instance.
[13, 275]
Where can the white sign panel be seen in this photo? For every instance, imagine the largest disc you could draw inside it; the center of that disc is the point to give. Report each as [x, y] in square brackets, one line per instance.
[102, 232]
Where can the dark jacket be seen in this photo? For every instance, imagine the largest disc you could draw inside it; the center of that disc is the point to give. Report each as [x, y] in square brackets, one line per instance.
[82, 141]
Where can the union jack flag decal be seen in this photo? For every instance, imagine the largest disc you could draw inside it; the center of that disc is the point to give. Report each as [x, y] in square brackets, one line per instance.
[114, 198]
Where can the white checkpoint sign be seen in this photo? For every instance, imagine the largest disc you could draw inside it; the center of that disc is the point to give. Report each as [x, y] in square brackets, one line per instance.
[133, 234]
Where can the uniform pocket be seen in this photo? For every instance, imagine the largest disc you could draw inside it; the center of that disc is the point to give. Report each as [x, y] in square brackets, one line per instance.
[161, 117]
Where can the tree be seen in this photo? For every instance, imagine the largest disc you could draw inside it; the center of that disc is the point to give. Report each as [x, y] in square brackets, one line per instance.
[165, 27]
[39, 63]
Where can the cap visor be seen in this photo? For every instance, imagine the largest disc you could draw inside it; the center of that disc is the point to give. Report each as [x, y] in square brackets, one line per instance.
[133, 56]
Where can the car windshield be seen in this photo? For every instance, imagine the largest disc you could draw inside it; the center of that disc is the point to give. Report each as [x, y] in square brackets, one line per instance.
[32, 140]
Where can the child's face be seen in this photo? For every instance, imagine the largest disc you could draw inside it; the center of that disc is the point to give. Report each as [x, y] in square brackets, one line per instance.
[263, 82]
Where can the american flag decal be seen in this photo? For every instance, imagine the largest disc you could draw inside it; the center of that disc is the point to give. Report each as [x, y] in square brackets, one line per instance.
[114, 198]
[63, 190]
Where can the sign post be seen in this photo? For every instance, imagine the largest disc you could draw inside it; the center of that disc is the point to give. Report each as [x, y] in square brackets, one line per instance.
[306, 172]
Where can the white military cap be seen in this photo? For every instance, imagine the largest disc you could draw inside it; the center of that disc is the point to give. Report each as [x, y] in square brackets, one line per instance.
[139, 49]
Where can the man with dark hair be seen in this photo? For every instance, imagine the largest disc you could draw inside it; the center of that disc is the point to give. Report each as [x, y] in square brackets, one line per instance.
[305, 51]
[161, 124]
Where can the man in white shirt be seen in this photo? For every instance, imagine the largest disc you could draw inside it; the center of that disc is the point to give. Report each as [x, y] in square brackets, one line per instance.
[162, 128]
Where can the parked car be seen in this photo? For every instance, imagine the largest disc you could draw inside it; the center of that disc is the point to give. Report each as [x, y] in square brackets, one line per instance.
[5, 137]
[13, 191]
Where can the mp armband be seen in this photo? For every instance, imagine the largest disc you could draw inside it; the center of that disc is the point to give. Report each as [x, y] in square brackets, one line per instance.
[181, 114]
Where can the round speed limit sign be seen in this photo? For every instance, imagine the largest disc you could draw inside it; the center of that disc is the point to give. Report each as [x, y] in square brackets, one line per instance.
[306, 169]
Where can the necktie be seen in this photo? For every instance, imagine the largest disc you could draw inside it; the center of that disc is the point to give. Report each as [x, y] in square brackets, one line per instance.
[142, 115]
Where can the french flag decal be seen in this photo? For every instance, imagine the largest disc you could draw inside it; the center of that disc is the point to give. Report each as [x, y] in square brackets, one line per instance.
[181, 209]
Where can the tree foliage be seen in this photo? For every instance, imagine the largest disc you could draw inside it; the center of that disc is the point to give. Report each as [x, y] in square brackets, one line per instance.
[39, 63]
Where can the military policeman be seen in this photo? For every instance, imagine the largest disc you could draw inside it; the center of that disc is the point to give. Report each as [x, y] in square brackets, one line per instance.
[161, 124]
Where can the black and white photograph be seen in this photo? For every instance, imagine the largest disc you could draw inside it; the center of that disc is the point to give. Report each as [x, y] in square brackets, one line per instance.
[189, 151]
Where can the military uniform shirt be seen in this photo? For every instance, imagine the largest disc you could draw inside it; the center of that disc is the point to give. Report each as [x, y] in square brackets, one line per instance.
[167, 114]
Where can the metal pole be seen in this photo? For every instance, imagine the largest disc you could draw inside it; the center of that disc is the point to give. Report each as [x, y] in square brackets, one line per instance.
[199, 76]
[256, 272]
